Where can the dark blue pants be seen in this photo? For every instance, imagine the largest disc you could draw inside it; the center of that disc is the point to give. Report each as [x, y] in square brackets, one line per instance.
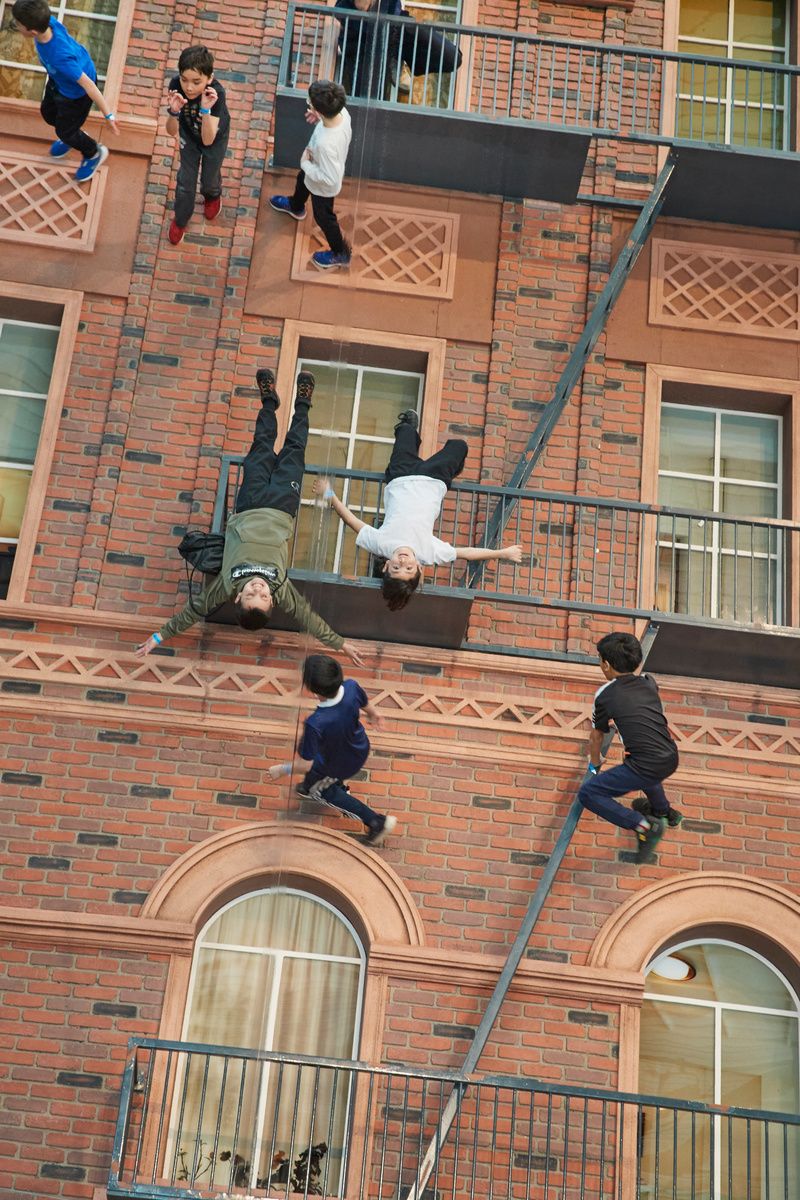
[599, 791]
[328, 790]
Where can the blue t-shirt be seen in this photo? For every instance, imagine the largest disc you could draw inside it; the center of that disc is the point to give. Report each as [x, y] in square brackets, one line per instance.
[65, 60]
[334, 738]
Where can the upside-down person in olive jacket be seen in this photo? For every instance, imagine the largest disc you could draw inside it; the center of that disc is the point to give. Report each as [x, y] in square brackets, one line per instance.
[256, 540]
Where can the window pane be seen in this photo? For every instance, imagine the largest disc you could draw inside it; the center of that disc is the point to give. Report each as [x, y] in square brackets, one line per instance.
[688, 1075]
[749, 447]
[701, 79]
[739, 500]
[14, 47]
[334, 395]
[762, 22]
[26, 357]
[687, 440]
[283, 921]
[755, 126]
[726, 974]
[748, 589]
[704, 19]
[383, 397]
[329, 990]
[684, 581]
[314, 541]
[371, 456]
[96, 36]
[107, 8]
[13, 494]
[20, 424]
[759, 1062]
[325, 451]
[694, 494]
[21, 85]
[221, 977]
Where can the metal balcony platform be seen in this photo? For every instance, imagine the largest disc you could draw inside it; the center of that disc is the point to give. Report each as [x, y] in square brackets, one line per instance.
[737, 187]
[356, 609]
[764, 658]
[459, 151]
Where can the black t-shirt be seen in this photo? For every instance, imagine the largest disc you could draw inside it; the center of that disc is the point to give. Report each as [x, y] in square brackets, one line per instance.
[632, 704]
[189, 118]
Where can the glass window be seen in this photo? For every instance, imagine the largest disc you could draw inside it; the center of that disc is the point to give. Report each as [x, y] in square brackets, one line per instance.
[90, 22]
[741, 106]
[725, 1034]
[27, 353]
[282, 971]
[354, 414]
[713, 461]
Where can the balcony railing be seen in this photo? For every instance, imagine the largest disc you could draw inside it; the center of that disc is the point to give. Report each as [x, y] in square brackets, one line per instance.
[579, 554]
[211, 1121]
[604, 90]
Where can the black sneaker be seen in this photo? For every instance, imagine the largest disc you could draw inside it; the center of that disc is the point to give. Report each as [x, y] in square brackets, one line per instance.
[266, 386]
[408, 417]
[375, 836]
[305, 387]
[303, 790]
[642, 805]
[648, 839]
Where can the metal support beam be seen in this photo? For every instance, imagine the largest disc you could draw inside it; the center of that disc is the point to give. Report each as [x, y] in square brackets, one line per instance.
[576, 363]
[520, 943]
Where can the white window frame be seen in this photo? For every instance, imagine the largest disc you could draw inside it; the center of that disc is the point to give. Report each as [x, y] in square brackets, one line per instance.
[351, 434]
[714, 550]
[279, 957]
[720, 1007]
[704, 46]
[62, 11]
[6, 463]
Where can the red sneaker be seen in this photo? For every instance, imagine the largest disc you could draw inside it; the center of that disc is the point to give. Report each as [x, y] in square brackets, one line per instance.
[212, 207]
[176, 232]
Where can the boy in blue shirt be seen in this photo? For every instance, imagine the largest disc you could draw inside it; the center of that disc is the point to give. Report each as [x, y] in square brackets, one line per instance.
[71, 85]
[336, 744]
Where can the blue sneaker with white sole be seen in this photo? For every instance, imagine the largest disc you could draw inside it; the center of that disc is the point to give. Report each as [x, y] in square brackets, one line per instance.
[281, 204]
[326, 260]
[59, 149]
[89, 165]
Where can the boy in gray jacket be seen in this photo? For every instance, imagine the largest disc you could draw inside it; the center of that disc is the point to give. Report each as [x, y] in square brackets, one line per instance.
[253, 571]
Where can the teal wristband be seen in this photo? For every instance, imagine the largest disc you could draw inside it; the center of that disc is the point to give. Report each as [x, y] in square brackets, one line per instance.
[329, 493]
[205, 112]
[157, 638]
[109, 116]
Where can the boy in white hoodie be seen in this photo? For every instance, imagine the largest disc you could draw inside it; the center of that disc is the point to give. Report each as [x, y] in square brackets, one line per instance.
[322, 170]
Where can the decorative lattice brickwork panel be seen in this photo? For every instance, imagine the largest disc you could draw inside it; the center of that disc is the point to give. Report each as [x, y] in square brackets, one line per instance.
[725, 290]
[394, 250]
[42, 205]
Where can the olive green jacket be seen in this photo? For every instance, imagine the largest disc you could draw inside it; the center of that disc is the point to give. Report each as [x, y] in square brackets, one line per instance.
[256, 543]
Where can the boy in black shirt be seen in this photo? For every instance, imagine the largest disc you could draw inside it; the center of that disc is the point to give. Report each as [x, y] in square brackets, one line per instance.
[199, 116]
[632, 704]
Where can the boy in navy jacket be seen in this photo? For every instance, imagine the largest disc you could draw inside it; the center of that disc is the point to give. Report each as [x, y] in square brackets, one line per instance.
[336, 744]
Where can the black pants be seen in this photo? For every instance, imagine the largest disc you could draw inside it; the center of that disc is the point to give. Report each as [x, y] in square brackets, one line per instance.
[273, 480]
[327, 790]
[445, 464]
[67, 116]
[324, 215]
[205, 161]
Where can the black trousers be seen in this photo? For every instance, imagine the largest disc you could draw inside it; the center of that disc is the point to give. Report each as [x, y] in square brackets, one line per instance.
[273, 480]
[322, 207]
[67, 116]
[445, 464]
[205, 161]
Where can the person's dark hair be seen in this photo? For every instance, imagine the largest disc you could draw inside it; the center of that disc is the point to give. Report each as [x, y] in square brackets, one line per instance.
[622, 651]
[327, 97]
[32, 14]
[322, 675]
[398, 592]
[196, 58]
[251, 618]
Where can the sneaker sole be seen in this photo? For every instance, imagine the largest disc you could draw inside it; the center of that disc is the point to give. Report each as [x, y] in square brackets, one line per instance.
[391, 823]
[330, 266]
[287, 212]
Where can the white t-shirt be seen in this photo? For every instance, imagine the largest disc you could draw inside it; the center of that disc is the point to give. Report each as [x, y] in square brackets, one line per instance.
[329, 145]
[412, 505]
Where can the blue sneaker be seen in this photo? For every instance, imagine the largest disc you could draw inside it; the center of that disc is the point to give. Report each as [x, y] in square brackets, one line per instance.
[281, 204]
[326, 260]
[59, 149]
[89, 165]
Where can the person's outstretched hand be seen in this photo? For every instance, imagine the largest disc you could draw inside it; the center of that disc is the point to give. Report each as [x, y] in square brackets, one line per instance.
[511, 553]
[320, 486]
[146, 647]
[175, 101]
[349, 649]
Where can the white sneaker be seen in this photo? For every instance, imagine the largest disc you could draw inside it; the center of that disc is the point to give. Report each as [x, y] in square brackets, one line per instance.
[375, 839]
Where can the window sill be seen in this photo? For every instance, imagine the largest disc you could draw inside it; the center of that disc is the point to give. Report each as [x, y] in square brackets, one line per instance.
[21, 119]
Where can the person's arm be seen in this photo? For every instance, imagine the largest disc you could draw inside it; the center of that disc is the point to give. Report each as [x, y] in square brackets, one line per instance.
[322, 166]
[288, 768]
[209, 124]
[322, 487]
[476, 554]
[595, 747]
[175, 102]
[94, 93]
[373, 716]
[211, 597]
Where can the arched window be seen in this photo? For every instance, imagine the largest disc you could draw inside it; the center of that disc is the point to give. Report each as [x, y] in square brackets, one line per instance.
[277, 970]
[719, 1026]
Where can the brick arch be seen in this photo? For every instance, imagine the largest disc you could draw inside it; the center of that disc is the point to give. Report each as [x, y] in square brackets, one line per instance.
[652, 917]
[238, 860]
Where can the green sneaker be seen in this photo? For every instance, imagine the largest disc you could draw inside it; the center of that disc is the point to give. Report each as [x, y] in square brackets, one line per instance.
[647, 839]
[642, 805]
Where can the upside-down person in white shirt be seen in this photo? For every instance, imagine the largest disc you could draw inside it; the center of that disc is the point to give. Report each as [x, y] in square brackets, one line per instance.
[415, 489]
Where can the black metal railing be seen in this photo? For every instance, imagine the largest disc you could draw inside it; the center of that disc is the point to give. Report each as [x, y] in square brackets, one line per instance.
[214, 1121]
[579, 553]
[605, 90]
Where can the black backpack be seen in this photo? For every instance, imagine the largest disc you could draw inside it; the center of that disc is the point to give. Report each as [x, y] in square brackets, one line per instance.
[202, 552]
